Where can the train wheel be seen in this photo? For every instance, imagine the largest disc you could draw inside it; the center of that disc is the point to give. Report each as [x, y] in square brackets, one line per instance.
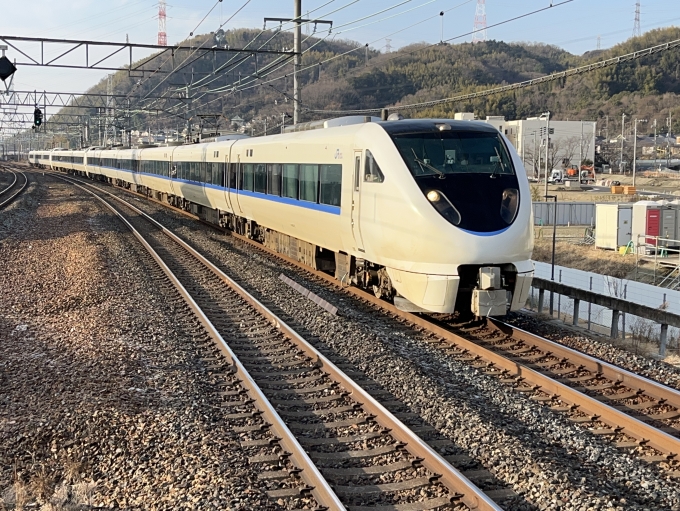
[384, 287]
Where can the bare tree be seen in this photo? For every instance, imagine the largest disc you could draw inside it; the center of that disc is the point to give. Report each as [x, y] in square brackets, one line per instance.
[568, 149]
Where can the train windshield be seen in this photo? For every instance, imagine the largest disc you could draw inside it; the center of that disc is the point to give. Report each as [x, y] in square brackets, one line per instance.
[454, 152]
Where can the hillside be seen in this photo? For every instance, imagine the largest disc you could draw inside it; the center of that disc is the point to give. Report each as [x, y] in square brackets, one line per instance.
[646, 88]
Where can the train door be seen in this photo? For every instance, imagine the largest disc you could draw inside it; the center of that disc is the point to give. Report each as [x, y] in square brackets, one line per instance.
[174, 174]
[237, 177]
[356, 202]
[226, 181]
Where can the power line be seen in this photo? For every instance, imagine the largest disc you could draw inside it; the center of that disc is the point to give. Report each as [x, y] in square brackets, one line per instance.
[249, 86]
[401, 54]
[520, 85]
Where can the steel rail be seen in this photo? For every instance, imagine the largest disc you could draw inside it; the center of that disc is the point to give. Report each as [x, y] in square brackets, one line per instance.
[6, 189]
[643, 433]
[321, 490]
[651, 388]
[455, 481]
[15, 194]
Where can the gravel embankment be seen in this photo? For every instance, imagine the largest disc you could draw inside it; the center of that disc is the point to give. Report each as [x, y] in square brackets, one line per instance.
[650, 368]
[104, 400]
[552, 463]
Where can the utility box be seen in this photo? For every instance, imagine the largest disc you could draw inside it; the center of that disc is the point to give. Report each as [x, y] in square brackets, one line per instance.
[669, 224]
[675, 204]
[613, 225]
[646, 222]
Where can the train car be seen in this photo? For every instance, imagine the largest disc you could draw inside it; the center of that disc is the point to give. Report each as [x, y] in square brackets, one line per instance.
[433, 214]
[38, 159]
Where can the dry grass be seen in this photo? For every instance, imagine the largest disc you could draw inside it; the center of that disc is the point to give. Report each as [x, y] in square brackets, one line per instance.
[673, 359]
[42, 491]
[586, 258]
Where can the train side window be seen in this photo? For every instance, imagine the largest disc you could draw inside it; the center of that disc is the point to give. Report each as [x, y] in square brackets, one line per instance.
[330, 184]
[274, 179]
[218, 174]
[248, 176]
[290, 181]
[233, 173]
[372, 172]
[260, 178]
[357, 171]
[207, 178]
[309, 182]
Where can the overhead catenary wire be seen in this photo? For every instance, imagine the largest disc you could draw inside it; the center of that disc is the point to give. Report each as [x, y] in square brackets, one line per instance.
[520, 85]
[262, 75]
[280, 58]
[192, 53]
[301, 24]
[249, 82]
[262, 31]
[400, 54]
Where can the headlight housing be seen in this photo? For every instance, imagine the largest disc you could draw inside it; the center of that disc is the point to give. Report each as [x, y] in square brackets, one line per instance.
[509, 205]
[443, 205]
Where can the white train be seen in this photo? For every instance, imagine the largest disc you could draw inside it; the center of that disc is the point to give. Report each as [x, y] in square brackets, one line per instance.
[433, 214]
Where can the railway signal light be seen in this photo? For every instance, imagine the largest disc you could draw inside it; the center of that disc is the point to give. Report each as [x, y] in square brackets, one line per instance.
[37, 117]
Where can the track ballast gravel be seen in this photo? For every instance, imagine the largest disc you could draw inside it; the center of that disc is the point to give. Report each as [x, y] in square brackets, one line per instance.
[552, 463]
[103, 398]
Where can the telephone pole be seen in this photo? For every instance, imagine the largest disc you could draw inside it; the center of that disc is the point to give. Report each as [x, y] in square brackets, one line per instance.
[623, 122]
[635, 146]
[297, 36]
[297, 50]
[655, 144]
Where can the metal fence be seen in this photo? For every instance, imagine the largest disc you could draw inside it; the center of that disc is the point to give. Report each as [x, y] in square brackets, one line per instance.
[568, 213]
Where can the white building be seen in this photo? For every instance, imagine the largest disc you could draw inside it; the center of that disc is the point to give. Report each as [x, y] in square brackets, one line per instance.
[570, 141]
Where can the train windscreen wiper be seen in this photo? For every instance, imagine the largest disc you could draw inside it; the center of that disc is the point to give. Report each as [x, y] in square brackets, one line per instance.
[427, 165]
[499, 164]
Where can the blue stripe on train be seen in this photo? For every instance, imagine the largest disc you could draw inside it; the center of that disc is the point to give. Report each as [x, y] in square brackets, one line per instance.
[333, 210]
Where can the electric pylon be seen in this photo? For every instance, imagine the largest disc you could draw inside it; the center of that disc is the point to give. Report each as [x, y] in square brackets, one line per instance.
[479, 34]
[162, 35]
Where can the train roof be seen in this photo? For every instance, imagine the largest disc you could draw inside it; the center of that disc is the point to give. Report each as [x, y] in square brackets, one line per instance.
[434, 126]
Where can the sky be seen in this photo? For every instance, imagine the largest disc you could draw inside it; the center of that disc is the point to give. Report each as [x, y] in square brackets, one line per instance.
[574, 26]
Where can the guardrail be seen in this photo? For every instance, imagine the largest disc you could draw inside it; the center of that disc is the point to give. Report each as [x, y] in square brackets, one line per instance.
[617, 306]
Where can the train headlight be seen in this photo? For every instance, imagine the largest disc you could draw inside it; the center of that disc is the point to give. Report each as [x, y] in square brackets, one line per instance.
[509, 204]
[443, 205]
[433, 196]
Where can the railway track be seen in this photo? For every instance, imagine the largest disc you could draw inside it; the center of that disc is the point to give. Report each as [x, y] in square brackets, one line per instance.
[634, 412]
[12, 191]
[314, 430]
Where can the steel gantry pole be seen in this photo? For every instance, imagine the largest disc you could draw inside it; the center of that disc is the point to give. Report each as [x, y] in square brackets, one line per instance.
[547, 147]
[297, 36]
